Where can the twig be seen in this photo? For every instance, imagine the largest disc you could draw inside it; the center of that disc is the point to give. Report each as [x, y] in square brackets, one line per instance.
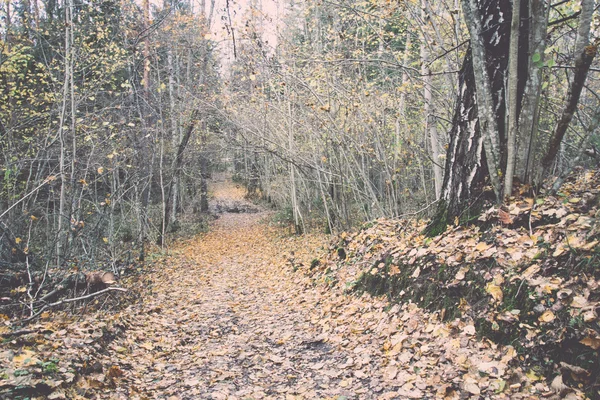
[412, 214]
[29, 285]
[27, 195]
[74, 299]
[530, 215]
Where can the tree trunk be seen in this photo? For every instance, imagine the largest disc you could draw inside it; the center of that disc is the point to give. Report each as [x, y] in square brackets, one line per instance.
[528, 117]
[146, 52]
[513, 99]
[176, 170]
[582, 66]
[584, 54]
[466, 167]
[203, 183]
[430, 122]
[175, 132]
[61, 241]
[488, 122]
[293, 192]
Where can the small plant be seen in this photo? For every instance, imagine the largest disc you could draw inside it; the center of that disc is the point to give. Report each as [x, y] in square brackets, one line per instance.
[50, 367]
[285, 216]
[577, 322]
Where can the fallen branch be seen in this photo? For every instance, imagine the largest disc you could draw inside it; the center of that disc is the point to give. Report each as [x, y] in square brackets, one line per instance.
[74, 299]
[24, 332]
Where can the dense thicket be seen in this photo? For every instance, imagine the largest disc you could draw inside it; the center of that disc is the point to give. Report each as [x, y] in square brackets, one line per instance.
[98, 101]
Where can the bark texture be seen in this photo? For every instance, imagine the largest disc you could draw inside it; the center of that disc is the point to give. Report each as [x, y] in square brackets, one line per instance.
[466, 168]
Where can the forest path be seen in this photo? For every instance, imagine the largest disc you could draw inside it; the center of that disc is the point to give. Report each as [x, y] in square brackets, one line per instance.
[228, 318]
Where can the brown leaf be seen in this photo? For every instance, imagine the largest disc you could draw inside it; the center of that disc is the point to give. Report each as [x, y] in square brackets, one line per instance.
[505, 217]
[592, 342]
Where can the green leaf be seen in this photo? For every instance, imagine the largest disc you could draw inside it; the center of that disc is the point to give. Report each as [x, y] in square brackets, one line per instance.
[550, 63]
[536, 57]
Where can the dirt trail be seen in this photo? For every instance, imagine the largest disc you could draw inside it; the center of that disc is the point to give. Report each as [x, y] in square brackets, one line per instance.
[231, 323]
[228, 318]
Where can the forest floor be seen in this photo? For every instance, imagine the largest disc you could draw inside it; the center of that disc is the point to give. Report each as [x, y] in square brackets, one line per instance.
[230, 314]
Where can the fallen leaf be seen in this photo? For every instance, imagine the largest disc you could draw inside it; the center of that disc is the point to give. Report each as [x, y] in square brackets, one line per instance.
[390, 372]
[592, 342]
[472, 387]
[547, 316]
[469, 330]
[482, 246]
[579, 302]
[460, 275]
[495, 291]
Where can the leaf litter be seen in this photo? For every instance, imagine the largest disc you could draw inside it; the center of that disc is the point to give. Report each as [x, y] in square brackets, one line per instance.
[246, 312]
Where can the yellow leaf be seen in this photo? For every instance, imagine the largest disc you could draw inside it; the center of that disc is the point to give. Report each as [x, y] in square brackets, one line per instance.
[147, 346]
[590, 246]
[547, 316]
[100, 170]
[482, 246]
[18, 240]
[533, 376]
[105, 240]
[495, 291]
[560, 249]
[575, 241]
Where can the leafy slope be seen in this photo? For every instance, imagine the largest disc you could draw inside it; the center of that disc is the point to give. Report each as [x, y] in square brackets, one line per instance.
[525, 276]
[231, 315]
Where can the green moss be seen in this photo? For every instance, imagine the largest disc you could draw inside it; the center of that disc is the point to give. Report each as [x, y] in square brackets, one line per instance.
[430, 290]
[439, 222]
